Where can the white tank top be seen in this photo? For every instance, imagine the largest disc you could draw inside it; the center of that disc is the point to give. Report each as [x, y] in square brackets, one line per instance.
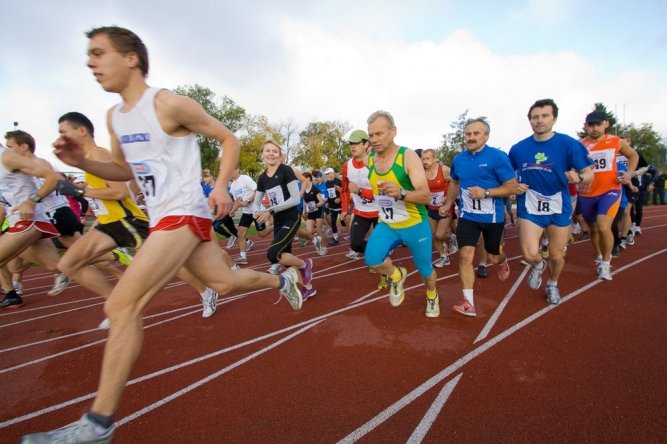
[16, 189]
[53, 201]
[360, 177]
[167, 168]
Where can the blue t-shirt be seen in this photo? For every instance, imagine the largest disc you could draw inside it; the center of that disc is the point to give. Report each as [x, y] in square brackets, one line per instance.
[542, 166]
[487, 168]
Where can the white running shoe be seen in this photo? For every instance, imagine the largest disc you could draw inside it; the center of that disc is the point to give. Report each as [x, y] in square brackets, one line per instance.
[290, 289]
[604, 271]
[209, 300]
[59, 285]
[82, 431]
[453, 245]
[231, 241]
[442, 261]
[104, 325]
[352, 255]
[317, 242]
[248, 245]
[235, 267]
[274, 269]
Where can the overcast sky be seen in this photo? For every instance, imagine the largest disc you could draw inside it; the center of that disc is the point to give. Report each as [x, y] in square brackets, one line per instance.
[424, 61]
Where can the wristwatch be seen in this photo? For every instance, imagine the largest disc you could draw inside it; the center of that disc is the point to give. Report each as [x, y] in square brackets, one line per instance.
[35, 197]
[403, 193]
[487, 193]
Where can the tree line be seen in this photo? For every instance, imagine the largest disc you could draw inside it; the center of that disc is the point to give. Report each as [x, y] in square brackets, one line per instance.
[321, 144]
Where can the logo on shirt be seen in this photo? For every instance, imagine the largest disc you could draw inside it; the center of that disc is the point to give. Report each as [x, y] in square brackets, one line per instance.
[540, 157]
[141, 168]
[134, 138]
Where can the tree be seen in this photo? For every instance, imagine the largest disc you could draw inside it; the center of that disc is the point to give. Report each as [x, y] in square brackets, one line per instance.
[225, 110]
[321, 145]
[454, 142]
[647, 141]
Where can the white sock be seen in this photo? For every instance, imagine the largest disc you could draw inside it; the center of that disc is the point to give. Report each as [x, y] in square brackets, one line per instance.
[467, 294]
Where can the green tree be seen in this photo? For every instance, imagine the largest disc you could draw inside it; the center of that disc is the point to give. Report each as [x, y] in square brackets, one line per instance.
[225, 110]
[453, 142]
[611, 118]
[256, 130]
[647, 141]
[321, 145]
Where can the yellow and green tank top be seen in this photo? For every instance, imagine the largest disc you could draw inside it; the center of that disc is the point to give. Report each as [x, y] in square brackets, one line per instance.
[396, 213]
[108, 210]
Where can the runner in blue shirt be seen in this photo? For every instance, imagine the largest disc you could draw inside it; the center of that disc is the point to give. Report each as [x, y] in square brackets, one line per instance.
[546, 162]
[484, 176]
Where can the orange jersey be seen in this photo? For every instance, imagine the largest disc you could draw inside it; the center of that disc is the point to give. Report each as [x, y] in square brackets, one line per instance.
[604, 155]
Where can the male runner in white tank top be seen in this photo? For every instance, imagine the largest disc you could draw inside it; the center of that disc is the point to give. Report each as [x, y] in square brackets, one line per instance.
[153, 140]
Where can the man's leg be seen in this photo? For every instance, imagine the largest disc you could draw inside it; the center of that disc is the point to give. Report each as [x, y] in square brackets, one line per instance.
[557, 240]
[160, 257]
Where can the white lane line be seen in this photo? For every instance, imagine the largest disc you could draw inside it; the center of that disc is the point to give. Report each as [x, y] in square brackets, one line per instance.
[88, 396]
[499, 310]
[427, 421]
[446, 372]
[149, 408]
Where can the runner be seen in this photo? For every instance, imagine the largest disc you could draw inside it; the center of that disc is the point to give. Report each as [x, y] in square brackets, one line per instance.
[313, 212]
[152, 139]
[401, 192]
[438, 179]
[483, 177]
[545, 163]
[600, 200]
[242, 190]
[332, 196]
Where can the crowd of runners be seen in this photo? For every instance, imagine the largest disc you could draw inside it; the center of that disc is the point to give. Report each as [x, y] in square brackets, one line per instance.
[384, 197]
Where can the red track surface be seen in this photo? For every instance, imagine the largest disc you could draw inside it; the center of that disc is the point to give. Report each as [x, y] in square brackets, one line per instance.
[350, 367]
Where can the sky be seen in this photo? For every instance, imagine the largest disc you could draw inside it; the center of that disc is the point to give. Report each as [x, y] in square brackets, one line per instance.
[425, 61]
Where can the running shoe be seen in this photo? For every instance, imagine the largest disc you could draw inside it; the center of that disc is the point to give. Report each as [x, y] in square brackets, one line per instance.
[248, 245]
[11, 301]
[274, 269]
[432, 307]
[59, 285]
[290, 289]
[322, 251]
[209, 300]
[105, 324]
[553, 295]
[18, 288]
[630, 239]
[235, 267]
[535, 275]
[317, 242]
[122, 256]
[453, 244]
[308, 292]
[231, 241]
[604, 271]
[465, 308]
[396, 291]
[82, 431]
[241, 260]
[384, 282]
[346, 237]
[638, 230]
[442, 261]
[623, 245]
[481, 271]
[352, 255]
[504, 270]
[307, 272]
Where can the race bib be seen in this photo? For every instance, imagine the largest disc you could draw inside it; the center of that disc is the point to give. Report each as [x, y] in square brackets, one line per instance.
[604, 160]
[540, 205]
[476, 206]
[98, 207]
[438, 198]
[391, 210]
[151, 175]
[331, 192]
[311, 207]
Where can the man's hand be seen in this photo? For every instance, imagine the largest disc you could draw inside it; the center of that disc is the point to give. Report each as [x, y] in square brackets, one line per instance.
[476, 192]
[521, 188]
[69, 151]
[220, 202]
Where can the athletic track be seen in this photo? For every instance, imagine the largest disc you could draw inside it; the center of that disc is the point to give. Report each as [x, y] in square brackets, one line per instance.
[350, 368]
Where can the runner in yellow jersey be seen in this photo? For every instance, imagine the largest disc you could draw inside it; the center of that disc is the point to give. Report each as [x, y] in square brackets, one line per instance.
[401, 192]
[121, 223]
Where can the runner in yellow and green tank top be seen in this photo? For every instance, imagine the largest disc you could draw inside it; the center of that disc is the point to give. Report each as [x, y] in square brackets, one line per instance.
[401, 192]
[397, 213]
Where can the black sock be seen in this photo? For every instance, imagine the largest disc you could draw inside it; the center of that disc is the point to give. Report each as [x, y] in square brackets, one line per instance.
[101, 420]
